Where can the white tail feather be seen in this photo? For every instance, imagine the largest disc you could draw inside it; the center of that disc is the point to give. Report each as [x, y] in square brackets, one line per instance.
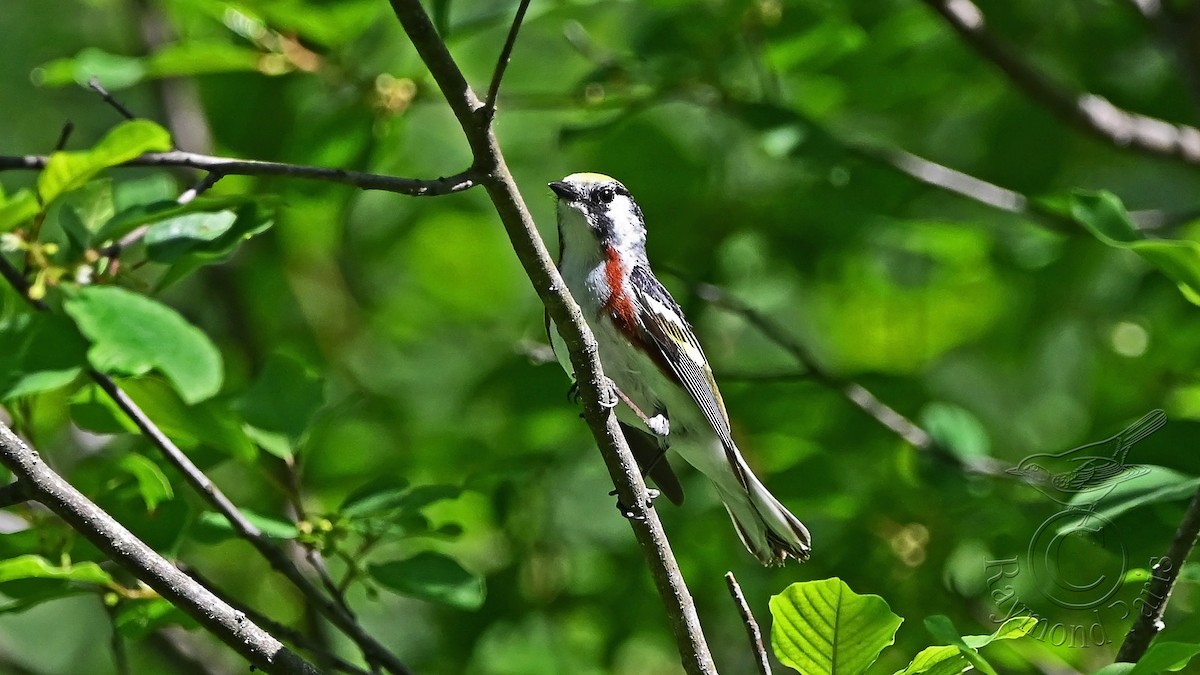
[764, 525]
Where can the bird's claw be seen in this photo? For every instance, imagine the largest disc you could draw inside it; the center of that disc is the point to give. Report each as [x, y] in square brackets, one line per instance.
[629, 512]
[609, 395]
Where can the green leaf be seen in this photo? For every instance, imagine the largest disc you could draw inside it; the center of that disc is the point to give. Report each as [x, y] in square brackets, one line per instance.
[68, 171]
[212, 527]
[37, 567]
[169, 239]
[1156, 484]
[132, 335]
[1103, 214]
[1165, 657]
[131, 217]
[135, 619]
[953, 658]
[282, 401]
[381, 494]
[184, 59]
[942, 628]
[432, 576]
[18, 209]
[153, 484]
[824, 628]
[114, 71]
[1115, 669]
[251, 219]
[39, 352]
[30, 580]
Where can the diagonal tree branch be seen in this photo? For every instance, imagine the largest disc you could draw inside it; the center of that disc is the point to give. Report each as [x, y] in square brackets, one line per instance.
[373, 650]
[228, 624]
[1149, 622]
[881, 412]
[1088, 112]
[752, 631]
[228, 166]
[593, 386]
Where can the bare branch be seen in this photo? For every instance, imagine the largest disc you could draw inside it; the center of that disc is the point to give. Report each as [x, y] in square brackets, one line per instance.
[540, 268]
[287, 633]
[752, 631]
[1149, 621]
[228, 166]
[231, 626]
[505, 55]
[1088, 112]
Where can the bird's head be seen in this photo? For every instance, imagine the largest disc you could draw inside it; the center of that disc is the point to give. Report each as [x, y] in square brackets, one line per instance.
[1030, 471]
[597, 212]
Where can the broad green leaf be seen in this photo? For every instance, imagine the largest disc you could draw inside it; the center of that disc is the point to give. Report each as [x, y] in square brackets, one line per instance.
[252, 219]
[18, 209]
[68, 171]
[381, 494]
[423, 495]
[283, 399]
[36, 567]
[118, 72]
[1154, 485]
[824, 628]
[953, 659]
[194, 57]
[39, 352]
[1165, 657]
[169, 239]
[132, 335]
[153, 484]
[942, 628]
[131, 217]
[212, 527]
[1115, 669]
[114, 71]
[1103, 214]
[432, 576]
[135, 619]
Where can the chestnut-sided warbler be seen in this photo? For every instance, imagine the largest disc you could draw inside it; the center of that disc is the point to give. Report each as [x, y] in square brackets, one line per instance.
[664, 383]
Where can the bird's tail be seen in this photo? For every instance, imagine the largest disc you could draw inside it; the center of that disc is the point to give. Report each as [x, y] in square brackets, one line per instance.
[765, 526]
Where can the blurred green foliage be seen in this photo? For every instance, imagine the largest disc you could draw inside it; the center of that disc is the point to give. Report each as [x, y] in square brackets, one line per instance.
[415, 392]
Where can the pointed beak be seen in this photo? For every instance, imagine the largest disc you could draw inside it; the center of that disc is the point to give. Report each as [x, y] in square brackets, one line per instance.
[564, 190]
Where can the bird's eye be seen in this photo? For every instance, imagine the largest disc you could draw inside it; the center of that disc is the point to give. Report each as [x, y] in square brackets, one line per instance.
[605, 195]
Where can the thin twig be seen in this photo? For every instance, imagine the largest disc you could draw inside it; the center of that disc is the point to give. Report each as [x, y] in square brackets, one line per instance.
[94, 85]
[248, 167]
[1088, 112]
[1149, 621]
[64, 136]
[505, 55]
[16, 492]
[231, 626]
[581, 344]
[752, 630]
